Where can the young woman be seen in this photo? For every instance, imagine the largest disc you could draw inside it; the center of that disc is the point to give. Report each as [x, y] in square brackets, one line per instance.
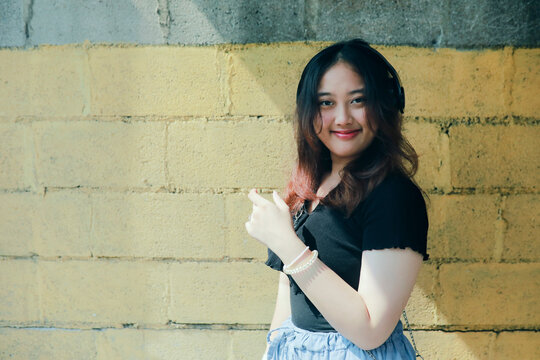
[358, 238]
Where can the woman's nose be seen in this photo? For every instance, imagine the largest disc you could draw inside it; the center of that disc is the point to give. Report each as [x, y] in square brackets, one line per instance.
[342, 115]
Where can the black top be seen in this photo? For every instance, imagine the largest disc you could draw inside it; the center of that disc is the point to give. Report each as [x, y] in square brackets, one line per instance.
[393, 215]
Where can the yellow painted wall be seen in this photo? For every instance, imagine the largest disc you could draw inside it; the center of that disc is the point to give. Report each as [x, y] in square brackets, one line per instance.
[123, 179]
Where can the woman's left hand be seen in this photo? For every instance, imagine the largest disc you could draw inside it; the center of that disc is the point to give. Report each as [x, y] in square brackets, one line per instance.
[270, 222]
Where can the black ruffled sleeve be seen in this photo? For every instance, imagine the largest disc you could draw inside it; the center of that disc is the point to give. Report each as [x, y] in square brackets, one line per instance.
[274, 261]
[394, 216]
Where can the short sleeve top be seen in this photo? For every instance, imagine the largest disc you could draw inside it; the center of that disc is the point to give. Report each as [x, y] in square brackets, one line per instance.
[393, 215]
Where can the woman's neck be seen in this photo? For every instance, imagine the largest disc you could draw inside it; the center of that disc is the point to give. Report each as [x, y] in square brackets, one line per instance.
[329, 181]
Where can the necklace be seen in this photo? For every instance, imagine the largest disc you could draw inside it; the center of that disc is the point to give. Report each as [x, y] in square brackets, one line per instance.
[298, 214]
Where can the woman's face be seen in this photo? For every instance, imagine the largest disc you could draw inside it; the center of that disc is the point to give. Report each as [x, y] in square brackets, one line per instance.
[343, 122]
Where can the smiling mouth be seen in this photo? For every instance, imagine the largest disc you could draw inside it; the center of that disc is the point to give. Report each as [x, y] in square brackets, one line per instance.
[347, 131]
[347, 135]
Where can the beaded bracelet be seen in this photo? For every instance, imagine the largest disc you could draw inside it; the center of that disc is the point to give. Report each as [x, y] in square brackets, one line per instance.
[304, 266]
[296, 259]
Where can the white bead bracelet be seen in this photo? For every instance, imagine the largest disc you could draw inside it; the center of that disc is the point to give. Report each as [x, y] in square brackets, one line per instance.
[296, 259]
[302, 267]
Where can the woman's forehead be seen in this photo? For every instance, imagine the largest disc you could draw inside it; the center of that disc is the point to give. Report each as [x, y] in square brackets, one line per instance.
[340, 76]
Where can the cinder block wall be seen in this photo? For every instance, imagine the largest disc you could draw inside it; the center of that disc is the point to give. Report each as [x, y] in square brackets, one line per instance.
[131, 132]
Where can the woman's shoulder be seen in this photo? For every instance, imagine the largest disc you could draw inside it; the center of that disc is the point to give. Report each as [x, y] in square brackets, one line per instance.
[395, 184]
[394, 215]
[396, 188]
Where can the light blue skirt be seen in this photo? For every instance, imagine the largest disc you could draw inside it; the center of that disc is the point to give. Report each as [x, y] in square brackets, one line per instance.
[292, 343]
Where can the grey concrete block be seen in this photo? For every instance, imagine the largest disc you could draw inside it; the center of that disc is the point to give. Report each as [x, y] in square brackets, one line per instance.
[439, 23]
[380, 22]
[234, 21]
[12, 31]
[110, 21]
[492, 23]
[446, 23]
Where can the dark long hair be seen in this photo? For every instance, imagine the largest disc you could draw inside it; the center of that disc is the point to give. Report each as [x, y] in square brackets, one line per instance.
[388, 152]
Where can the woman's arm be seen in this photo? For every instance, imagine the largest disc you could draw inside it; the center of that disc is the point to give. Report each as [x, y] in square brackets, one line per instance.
[283, 302]
[366, 317]
[283, 306]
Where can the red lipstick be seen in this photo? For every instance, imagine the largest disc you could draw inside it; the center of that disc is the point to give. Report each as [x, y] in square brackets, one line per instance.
[348, 134]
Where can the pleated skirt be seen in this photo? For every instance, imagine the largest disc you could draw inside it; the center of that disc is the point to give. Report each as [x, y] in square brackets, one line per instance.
[292, 343]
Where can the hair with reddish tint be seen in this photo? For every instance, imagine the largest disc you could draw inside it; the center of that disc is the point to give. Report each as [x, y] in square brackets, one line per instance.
[388, 152]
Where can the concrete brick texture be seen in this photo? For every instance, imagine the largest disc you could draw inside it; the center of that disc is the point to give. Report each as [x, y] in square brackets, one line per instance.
[517, 345]
[431, 146]
[255, 88]
[162, 75]
[163, 344]
[12, 23]
[16, 158]
[97, 293]
[17, 223]
[496, 156]
[96, 21]
[481, 21]
[100, 154]
[221, 293]
[526, 80]
[451, 236]
[49, 81]
[214, 22]
[521, 214]
[19, 293]
[446, 82]
[119, 344]
[124, 173]
[489, 295]
[158, 225]
[425, 23]
[454, 346]
[55, 225]
[47, 343]
[245, 152]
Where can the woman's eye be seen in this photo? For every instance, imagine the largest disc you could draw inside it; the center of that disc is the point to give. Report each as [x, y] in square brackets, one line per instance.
[325, 103]
[359, 100]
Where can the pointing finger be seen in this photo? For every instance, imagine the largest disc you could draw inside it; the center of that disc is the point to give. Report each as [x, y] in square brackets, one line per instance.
[256, 199]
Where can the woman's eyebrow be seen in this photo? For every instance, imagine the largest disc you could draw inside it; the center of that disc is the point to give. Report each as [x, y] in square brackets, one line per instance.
[356, 91]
